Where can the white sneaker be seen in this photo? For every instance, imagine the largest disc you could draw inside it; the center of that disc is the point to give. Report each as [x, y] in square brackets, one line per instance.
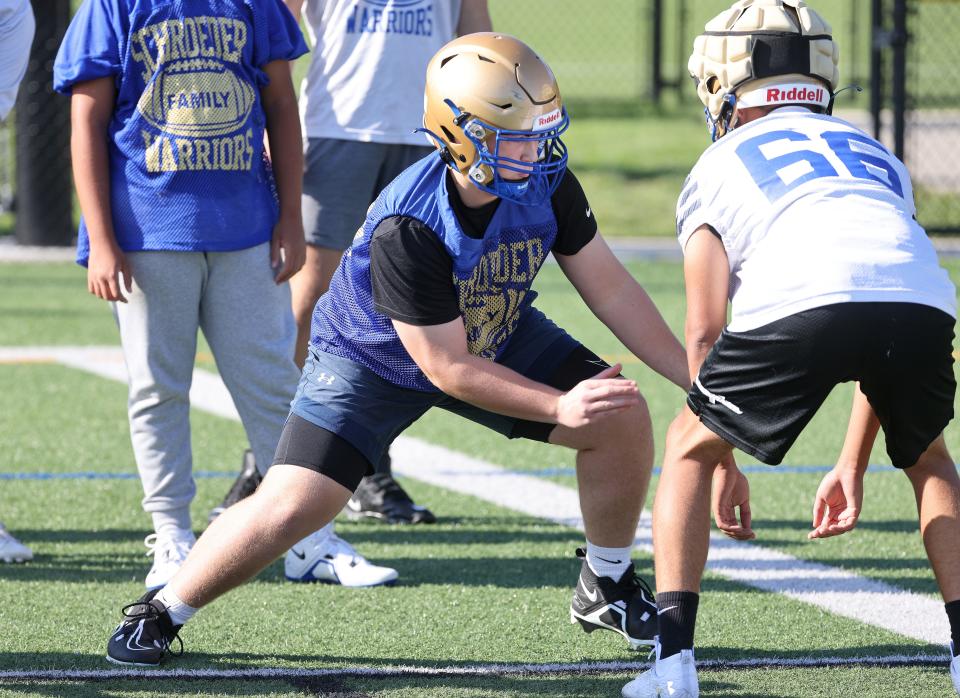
[955, 669]
[169, 549]
[675, 676]
[325, 557]
[12, 550]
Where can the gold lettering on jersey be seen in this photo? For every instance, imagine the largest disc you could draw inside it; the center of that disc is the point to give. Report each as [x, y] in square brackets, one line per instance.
[177, 154]
[491, 298]
[193, 94]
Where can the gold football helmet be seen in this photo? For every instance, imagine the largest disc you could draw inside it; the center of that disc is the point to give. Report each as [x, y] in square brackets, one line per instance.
[487, 88]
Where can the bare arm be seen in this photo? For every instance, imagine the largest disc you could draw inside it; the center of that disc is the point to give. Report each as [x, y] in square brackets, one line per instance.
[91, 107]
[441, 353]
[862, 431]
[474, 17]
[295, 7]
[286, 151]
[706, 274]
[615, 297]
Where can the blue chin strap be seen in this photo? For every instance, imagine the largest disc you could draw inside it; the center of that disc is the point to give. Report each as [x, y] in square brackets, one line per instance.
[539, 179]
[720, 126]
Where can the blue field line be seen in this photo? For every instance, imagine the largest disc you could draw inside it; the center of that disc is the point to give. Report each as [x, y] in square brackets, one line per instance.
[543, 472]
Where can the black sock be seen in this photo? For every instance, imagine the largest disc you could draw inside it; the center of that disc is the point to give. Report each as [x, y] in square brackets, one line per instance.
[677, 615]
[953, 614]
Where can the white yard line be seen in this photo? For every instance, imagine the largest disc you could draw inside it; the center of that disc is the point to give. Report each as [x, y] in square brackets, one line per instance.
[134, 673]
[838, 591]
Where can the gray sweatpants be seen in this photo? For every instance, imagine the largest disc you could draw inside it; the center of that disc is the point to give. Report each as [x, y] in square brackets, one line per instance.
[247, 321]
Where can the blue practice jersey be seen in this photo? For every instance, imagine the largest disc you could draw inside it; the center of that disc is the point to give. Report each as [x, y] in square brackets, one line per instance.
[187, 166]
[492, 276]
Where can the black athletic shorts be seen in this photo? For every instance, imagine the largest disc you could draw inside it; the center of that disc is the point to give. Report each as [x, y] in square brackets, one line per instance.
[759, 389]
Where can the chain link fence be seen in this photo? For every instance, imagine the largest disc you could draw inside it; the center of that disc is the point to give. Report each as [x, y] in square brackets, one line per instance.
[628, 57]
[932, 111]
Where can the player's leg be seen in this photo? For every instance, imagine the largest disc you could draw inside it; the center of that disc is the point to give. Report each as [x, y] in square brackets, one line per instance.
[614, 459]
[380, 497]
[338, 182]
[343, 418]
[756, 390]
[291, 502]
[158, 332]
[910, 385]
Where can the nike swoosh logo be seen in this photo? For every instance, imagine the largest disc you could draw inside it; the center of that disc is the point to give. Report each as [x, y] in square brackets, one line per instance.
[592, 595]
[302, 556]
[612, 562]
[664, 610]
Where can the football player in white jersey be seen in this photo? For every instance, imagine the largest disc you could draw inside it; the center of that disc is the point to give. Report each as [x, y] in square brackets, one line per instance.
[807, 226]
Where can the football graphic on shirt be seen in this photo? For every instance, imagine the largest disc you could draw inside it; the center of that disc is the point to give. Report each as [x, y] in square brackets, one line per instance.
[196, 98]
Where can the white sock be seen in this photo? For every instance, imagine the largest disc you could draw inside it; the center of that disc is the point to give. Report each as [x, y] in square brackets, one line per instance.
[608, 562]
[179, 612]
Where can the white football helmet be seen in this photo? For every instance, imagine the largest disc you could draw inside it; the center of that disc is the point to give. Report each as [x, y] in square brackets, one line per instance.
[763, 52]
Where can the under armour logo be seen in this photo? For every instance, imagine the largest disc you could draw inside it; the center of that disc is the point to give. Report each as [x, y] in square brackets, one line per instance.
[324, 378]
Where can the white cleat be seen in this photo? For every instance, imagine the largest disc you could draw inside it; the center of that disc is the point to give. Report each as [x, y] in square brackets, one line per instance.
[325, 557]
[673, 677]
[12, 550]
[955, 670]
[169, 550]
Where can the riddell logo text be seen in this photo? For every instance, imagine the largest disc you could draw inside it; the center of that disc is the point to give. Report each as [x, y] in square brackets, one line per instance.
[548, 119]
[795, 94]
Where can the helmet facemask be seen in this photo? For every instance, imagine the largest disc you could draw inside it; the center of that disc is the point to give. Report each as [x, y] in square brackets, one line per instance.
[540, 177]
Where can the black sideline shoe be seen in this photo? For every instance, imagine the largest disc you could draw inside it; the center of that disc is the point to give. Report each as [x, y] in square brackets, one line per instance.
[246, 483]
[381, 497]
[144, 635]
[627, 606]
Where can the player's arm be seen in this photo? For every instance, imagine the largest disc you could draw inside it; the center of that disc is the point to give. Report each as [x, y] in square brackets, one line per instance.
[474, 17]
[286, 151]
[91, 108]
[839, 498]
[295, 7]
[706, 275]
[441, 353]
[615, 297]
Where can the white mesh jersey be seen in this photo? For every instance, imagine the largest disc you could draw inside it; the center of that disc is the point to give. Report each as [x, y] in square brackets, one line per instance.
[368, 70]
[811, 211]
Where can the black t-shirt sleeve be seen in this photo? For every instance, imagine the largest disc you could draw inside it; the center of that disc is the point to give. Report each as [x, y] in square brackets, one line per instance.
[576, 224]
[411, 273]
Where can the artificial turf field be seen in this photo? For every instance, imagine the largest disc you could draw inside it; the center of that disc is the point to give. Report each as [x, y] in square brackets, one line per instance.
[483, 594]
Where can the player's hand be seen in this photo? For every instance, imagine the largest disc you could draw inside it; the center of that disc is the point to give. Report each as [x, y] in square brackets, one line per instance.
[731, 491]
[597, 397]
[288, 250]
[104, 268]
[838, 502]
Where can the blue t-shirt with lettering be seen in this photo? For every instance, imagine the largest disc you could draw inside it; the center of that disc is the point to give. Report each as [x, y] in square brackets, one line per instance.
[187, 165]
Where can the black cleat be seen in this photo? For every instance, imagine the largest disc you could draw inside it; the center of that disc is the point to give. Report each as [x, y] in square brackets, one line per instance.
[627, 607]
[246, 484]
[381, 497]
[144, 635]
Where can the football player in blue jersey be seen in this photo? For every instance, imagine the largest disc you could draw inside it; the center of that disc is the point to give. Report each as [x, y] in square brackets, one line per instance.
[188, 226]
[807, 226]
[432, 307]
